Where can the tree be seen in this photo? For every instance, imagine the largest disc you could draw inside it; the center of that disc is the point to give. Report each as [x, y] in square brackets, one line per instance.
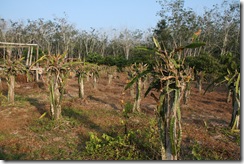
[128, 40]
[205, 67]
[221, 28]
[102, 42]
[219, 25]
[65, 33]
[3, 29]
[114, 46]
[176, 24]
[225, 21]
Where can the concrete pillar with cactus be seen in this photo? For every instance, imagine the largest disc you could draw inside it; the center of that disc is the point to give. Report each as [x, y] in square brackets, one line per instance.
[10, 69]
[111, 71]
[133, 71]
[82, 70]
[58, 71]
[168, 79]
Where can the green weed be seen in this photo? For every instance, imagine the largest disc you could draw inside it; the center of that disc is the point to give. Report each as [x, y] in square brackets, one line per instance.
[233, 136]
[2, 137]
[42, 125]
[112, 148]
[201, 152]
[133, 145]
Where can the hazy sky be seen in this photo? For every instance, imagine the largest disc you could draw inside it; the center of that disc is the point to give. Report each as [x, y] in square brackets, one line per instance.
[135, 14]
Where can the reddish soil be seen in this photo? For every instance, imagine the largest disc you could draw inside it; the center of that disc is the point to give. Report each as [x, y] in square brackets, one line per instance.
[205, 118]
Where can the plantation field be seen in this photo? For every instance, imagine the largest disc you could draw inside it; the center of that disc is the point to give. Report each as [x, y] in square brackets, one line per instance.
[93, 128]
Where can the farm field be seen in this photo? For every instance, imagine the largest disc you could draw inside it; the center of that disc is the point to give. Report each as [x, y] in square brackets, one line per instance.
[92, 89]
[25, 135]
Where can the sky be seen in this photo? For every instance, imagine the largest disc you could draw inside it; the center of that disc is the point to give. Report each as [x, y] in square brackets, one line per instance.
[84, 14]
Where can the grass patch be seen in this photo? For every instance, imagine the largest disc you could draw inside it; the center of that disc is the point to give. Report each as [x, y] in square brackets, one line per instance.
[43, 125]
[3, 99]
[70, 118]
[203, 152]
[199, 152]
[2, 137]
[11, 156]
[77, 117]
[234, 137]
[137, 144]
[19, 101]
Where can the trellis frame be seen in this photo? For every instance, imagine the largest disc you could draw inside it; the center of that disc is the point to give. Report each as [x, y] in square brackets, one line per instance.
[9, 45]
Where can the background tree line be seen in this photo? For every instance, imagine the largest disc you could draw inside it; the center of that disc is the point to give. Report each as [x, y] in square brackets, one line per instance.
[213, 49]
[58, 36]
[219, 28]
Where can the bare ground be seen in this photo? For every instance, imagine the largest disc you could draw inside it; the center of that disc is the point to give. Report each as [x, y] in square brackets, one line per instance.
[205, 120]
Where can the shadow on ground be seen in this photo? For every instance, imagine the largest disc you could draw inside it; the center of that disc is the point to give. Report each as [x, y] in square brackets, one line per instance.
[39, 106]
[104, 102]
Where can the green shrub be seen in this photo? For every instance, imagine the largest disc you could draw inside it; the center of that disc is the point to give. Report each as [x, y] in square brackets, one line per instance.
[112, 148]
[230, 61]
[95, 58]
[142, 55]
[143, 144]
[204, 62]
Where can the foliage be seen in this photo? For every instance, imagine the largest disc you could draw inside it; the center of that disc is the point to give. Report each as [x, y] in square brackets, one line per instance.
[139, 55]
[95, 58]
[206, 67]
[230, 61]
[220, 26]
[204, 62]
[142, 55]
[202, 152]
[235, 137]
[232, 77]
[40, 52]
[189, 76]
[127, 109]
[11, 68]
[58, 71]
[2, 98]
[196, 150]
[169, 77]
[42, 125]
[134, 70]
[234, 85]
[131, 146]
[112, 148]
[119, 61]
[81, 71]
[176, 24]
